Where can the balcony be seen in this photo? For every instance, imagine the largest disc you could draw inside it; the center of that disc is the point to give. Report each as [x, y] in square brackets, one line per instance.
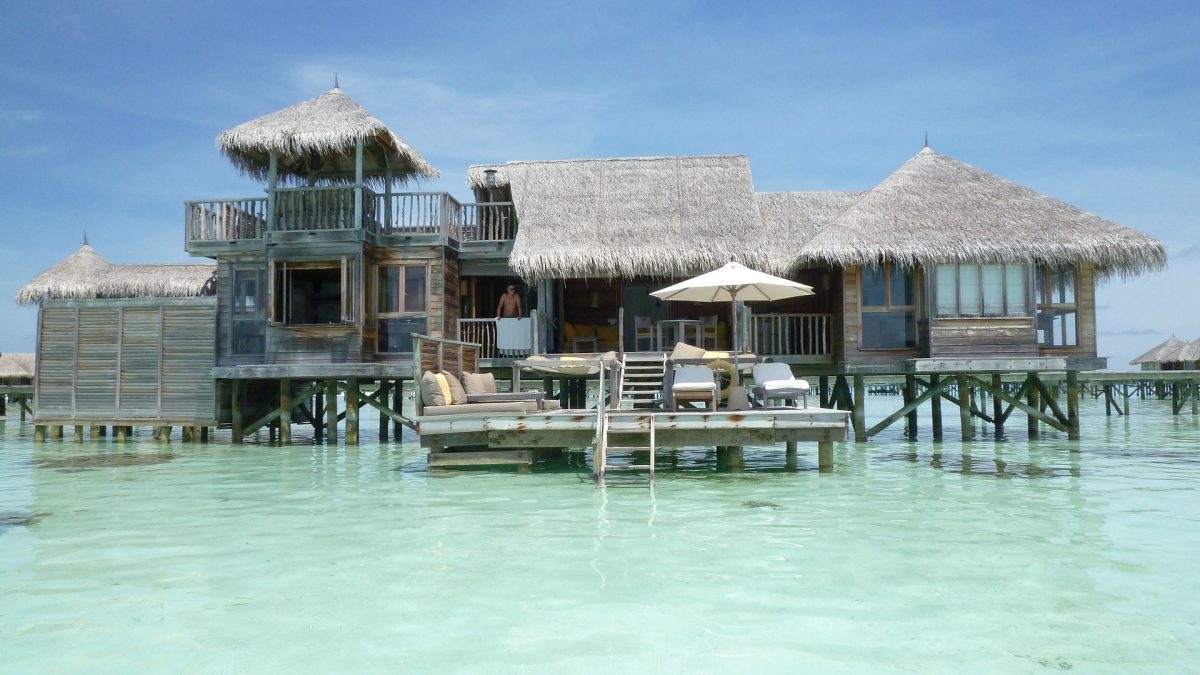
[430, 217]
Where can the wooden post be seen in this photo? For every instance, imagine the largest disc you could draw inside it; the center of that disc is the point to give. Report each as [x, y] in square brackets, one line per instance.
[56, 431]
[825, 393]
[382, 397]
[203, 434]
[791, 449]
[93, 431]
[825, 455]
[1195, 393]
[910, 393]
[331, 411]
[1032, 399]
[39, 433]
[352, 411]
[859, 414]
[78, 436]
[285, 412]
[1125, 396]
[317, 410]
[398, 406]
[997, 404]
[729, 456]
[1073, 404]
[120, 433]
[964, 407]
[235, 406]
[935, 407]
[1108, 400]
[358, 182]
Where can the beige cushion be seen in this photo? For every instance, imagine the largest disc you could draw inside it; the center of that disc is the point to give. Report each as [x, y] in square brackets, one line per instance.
[685, 351]
[479, 383]
[444, 387]
[431, 393]
[510, 407]
[457, 395]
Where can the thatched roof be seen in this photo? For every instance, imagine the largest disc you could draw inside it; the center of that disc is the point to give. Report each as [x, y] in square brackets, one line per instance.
[316, 138]
[938, 209]
[790, 219]
[1188, 352]
[86, 274]
[16, 367]
[1162, 353]
[642, 216]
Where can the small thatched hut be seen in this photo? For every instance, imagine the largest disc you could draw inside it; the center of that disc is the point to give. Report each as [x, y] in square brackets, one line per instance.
[315, 140]
[1171, 354]
[16, 368]
[86, 274]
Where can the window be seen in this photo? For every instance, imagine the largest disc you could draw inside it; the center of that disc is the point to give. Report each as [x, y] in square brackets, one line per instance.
[401, 293]
[889, 308]
[1057, 308]
[314, 293]
[973, 290]
[247, 324]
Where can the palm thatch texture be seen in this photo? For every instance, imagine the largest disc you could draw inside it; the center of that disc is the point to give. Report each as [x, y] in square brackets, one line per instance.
[86, 274]
[1164, 352]
[938, 209]
[643, 216]
[315, 139]
[789, 219]
[16, 368]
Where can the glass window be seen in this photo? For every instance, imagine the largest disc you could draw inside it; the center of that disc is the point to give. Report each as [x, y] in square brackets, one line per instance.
[1057, 310]
[1014, 290]
[313, 293]
[992, 277]
[889, 307]
[248, 325]
[874, 288]
[245, 292]
[947, 290]
[968, 290]
[402, 292]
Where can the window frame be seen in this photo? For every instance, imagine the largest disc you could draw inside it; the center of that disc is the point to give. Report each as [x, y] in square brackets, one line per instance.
[237, 313]
[1047, 273]
[1008, 313]
[888, 307]
[380, 316]
[279, 309]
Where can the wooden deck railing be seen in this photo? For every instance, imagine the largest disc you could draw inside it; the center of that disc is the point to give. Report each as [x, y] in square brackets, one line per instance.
[483, 333]
[791, 334]
[494, 221]
[225, 219]
[419, 213]
[323, 208]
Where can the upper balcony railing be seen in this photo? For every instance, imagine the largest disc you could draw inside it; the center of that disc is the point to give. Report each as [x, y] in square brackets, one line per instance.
[335, 207]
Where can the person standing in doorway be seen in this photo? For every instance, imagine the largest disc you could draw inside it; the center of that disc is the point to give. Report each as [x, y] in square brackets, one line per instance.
[510, 304]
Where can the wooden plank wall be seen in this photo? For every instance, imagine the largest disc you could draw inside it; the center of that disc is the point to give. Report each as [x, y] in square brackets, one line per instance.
[451, 303]
[102, 361]
[983, 337]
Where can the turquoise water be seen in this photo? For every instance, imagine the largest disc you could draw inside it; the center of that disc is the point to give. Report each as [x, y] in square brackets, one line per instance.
[1014, 556]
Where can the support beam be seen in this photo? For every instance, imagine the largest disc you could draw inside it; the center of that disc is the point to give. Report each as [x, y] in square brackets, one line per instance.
[1073, 404]
[909, 407]
[826, 394]
[1029, 409]
[997, 405]
[859, 415]
[935, 406]
[39, 433]
[235, 408]
[331, 415]
[381, 394]
[1031, 394]
[285, 411]
[78, 435]
[352, 411]
[964, 407]
[825, 456]
[910, 393]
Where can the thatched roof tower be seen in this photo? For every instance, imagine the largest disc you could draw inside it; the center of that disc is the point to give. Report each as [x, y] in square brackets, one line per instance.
[937, 209]
[1165, 352]
[315, 140]
[86, 274]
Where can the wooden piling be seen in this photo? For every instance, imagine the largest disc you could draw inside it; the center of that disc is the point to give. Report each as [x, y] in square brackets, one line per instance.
[285, 411]
[331, 411]
[1032, 399]
[791, 448]
[964, 407]
[859, 415]
[318, 410]
[56, 431]
[382, 397]
[729, 456]
[1073, 404]
[826, 395]
[120, 433]
[935, 406]
[398, 406]
[78, 435]
[238, 423]
[825, 455]
[997, 404]
[910, 393]
[352, 411]
[39, 433]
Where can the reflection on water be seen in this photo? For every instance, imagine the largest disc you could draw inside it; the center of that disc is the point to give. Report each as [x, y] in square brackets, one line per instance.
[1004, 555]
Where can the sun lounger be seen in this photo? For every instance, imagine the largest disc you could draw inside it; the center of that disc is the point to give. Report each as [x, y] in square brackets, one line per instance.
[774, 381]
[694, 383]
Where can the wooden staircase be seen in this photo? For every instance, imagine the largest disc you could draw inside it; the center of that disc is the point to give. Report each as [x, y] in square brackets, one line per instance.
[640, 384]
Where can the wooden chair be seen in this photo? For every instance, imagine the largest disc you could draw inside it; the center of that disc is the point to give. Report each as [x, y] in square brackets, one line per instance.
[694, 383]
[643, 328]
[708, 332]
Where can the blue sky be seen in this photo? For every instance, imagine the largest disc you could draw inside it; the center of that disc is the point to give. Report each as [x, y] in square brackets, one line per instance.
[109, 110]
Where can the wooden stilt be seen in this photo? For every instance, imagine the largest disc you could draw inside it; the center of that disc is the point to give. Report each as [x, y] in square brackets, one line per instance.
[1125, 395]
[93, 431]
[398, 406]
[825, 455]
[1073, 404]
[826, 395]
[120, 433]
[908, 394]
[56, 431]
[859, 415]
[78, 435]
[285, 412]
[1031, 398]
[935, 408]
[331, 415]
[1195, 393]
[238, 424]
[23, 404]
[964, 407]
[39, 433]
[103, 431]
[997, 405]
[352, 411]
[791, 448]
[383, 419]
[203, 434]
[317, 410]
[729, 456]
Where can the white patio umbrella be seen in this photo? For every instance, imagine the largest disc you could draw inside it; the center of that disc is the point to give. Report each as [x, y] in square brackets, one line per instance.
[731, 283]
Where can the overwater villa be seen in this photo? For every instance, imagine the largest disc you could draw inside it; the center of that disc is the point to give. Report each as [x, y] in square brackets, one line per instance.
[336, 282]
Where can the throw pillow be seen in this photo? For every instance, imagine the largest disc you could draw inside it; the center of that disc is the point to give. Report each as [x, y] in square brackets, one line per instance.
[479, 383]
[457, 395]
[431, 393]
[444, 388]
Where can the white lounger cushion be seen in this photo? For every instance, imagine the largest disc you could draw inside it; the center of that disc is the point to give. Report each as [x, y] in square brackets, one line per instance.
[695, 386]
[785, 385]
[694, 378]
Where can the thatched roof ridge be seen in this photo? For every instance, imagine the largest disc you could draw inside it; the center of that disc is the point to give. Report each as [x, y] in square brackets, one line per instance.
[1163, 352]
[636, 216]
[324, 129]
[1188, 352]
[937, 209]
[16, 366]
[790, 219]
[86, 274]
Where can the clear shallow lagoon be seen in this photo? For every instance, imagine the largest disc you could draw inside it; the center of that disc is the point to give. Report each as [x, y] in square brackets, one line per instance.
[910, 557]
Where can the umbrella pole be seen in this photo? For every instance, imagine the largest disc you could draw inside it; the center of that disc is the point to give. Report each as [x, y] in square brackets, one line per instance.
[733, 327]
